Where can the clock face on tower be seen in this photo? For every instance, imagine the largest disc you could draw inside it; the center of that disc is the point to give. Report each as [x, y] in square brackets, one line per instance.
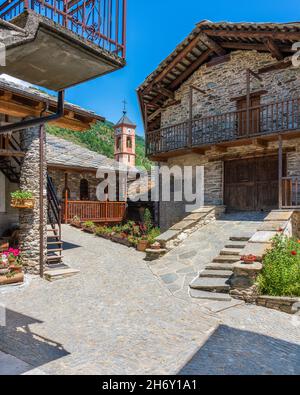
[118, 131]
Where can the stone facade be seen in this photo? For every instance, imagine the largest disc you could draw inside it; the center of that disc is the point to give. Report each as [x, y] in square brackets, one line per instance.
[223, 82]
[74, 178]
[30, 221]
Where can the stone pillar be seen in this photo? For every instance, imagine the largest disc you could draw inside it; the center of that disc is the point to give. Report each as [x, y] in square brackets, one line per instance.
[30, 220]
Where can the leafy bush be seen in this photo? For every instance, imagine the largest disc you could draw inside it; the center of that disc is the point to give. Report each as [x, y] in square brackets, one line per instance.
[89, 225]
[153, 234]
[21, 195]
[148, 220]
[281, 272]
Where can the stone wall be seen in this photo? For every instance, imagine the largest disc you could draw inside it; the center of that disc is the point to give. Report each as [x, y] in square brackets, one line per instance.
[74, 177]
[9, 217]
[30, 222]
[228, 80]
[225, 82]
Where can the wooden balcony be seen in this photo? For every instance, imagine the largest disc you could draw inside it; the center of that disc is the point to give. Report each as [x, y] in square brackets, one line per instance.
[98, 212]
[291, 192]
[232, 128]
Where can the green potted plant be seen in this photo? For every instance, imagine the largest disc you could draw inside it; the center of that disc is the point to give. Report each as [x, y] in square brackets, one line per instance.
[89, 227]
[22, 200]
[143, 244]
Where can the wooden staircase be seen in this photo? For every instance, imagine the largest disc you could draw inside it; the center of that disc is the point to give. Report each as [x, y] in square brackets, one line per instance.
[54, 242]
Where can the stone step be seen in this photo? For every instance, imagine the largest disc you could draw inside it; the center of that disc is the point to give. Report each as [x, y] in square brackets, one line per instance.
[236, 244]
[219, 297]
[220, 266]
[211, 284]
[231, 251]
[216, 273]
[226, 259]
[59, 274]
[53, 250]
[51, 258]
[242, 237]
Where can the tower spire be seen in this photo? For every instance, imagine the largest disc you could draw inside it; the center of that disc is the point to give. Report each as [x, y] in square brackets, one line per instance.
[124, 107]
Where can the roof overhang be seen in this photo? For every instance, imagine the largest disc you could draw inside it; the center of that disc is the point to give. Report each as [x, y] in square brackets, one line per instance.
[211, 43]
[17, 102]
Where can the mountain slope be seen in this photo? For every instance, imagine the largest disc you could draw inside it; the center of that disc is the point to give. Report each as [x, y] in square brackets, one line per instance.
[100, 138]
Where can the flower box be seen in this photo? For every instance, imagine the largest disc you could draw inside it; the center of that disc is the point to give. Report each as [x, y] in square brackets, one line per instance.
[14, 278]
[27, 204]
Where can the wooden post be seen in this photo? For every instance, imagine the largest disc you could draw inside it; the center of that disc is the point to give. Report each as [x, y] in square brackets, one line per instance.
[190, 140]
[280, 170]
[248, 103]
[66, 206]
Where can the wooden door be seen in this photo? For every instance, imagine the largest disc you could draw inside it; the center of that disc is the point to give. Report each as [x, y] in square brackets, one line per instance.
[251, 184]
[254, 120]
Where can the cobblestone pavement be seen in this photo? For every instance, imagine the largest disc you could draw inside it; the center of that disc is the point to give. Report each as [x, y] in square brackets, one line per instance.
[116, 317]
[180, 266]
[113, 318]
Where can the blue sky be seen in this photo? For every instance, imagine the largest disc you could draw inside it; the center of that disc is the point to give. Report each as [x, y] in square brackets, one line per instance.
[154, 29]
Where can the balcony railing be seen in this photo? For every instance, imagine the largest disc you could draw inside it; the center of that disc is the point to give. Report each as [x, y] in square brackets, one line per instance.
[257, 121]
[291, 192]
[98, 212]
[102, 22]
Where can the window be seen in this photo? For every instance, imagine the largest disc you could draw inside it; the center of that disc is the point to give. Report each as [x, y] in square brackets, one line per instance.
[119, 141]
[129, 142]
[84, 189]
[2, 193]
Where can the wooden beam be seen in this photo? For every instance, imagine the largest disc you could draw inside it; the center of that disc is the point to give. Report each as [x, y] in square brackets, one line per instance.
[284, 64]
[11, 153]
[166, 92]
[272, 47]
[260, 142]
[191, 69]
[211, 44]
[257, 46]
[21, 111]
[293, 36]
[154, 115]
[174, 63]
[218, 149]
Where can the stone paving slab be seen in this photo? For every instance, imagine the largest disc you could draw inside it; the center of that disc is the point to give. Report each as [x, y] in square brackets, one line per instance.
[263, 237]
[183, 225]
[167, 236]
[11, 366]
[273, 226]
[279, 216]
[114, 317]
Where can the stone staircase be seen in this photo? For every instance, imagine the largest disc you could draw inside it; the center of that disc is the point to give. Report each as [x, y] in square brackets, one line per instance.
[213, 282]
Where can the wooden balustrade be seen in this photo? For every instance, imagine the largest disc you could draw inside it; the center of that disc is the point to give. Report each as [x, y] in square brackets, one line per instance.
[277, 117]
[98, 212]
[291, 192]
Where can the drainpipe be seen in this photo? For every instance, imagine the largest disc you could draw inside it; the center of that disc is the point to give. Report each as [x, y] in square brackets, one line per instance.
[29, 123]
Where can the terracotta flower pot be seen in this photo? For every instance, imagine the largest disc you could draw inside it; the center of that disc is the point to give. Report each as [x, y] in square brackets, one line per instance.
[16, 269]
[142, 245]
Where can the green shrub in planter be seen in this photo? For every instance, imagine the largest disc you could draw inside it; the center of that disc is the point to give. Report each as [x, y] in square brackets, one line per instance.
[281, 268]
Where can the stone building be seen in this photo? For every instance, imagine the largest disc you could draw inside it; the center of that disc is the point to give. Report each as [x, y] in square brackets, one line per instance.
[228, 99]
[35, 34]
[20, 164]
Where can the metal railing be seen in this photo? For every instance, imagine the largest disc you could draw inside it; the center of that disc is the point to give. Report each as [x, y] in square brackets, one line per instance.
[102, 22]
[262, 120]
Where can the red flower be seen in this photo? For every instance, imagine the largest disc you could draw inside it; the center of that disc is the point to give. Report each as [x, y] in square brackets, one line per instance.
[294, 253]
[280, 230]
